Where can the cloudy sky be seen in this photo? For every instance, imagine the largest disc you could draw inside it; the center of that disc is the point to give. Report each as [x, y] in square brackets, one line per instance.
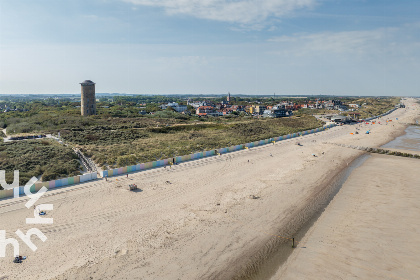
[342, 47]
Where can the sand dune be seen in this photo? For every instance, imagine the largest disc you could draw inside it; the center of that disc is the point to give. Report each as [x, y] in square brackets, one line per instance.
[214, 218]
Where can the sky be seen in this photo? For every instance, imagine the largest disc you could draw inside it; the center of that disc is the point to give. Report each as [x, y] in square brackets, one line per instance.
[286, 47]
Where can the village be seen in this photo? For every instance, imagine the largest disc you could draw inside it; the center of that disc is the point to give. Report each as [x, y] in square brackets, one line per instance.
[328, 108]
[125, 105]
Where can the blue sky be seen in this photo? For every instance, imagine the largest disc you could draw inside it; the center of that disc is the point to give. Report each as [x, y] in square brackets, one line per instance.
[341, 47]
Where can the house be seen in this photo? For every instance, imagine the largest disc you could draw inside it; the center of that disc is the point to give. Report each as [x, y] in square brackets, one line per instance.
[250, 109]
[238, 108]
[339, 119]
[329, 105]
[297, 106]
[259, 109]
[206, 111]
[275, 113]
[175, 106]
[256, 109]
[197, 104]
[226, 111]
[341, 107]
[307, 106]
[333, 104]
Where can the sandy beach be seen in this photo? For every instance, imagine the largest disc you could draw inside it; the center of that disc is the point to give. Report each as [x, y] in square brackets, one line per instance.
[369, 231]
[222, 217]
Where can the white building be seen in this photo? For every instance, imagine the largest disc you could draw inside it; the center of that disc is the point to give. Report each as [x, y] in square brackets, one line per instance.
[175, 106]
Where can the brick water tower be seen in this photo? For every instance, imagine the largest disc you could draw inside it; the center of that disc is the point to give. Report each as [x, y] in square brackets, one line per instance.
[88, 103]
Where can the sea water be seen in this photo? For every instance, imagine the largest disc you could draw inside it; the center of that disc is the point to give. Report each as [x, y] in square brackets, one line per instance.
[409, 141]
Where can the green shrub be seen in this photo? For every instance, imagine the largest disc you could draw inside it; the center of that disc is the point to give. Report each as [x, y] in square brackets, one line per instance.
[48, 176]
[44, 158]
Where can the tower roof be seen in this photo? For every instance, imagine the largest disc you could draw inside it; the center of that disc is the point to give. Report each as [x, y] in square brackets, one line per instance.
[87, 83]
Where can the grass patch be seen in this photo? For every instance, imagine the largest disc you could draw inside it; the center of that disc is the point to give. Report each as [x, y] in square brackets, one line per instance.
[44, 158]
[166, 142]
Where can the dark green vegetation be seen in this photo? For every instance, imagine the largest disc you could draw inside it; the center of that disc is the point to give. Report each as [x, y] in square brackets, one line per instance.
[45, 158]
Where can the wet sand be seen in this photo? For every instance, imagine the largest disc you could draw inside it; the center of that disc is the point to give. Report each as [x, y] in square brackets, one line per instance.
[369, 231]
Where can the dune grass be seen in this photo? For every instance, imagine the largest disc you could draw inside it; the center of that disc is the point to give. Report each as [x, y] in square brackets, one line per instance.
[151, 144]
[45, 158]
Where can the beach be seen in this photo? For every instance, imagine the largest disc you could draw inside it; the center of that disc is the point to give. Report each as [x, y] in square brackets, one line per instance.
[223, 217]
[369, 230]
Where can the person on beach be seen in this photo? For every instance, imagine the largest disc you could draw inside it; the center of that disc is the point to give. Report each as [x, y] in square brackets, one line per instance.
[18, 259]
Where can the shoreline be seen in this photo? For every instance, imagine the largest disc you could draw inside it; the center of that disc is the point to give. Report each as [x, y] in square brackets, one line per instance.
[322, 202]
[297, 221]
[355, 237]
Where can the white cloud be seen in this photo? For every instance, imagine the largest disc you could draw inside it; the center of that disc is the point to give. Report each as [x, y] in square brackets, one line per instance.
[233, 11]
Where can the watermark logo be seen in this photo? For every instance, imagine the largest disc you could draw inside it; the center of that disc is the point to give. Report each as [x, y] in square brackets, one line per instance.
[38, 212]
